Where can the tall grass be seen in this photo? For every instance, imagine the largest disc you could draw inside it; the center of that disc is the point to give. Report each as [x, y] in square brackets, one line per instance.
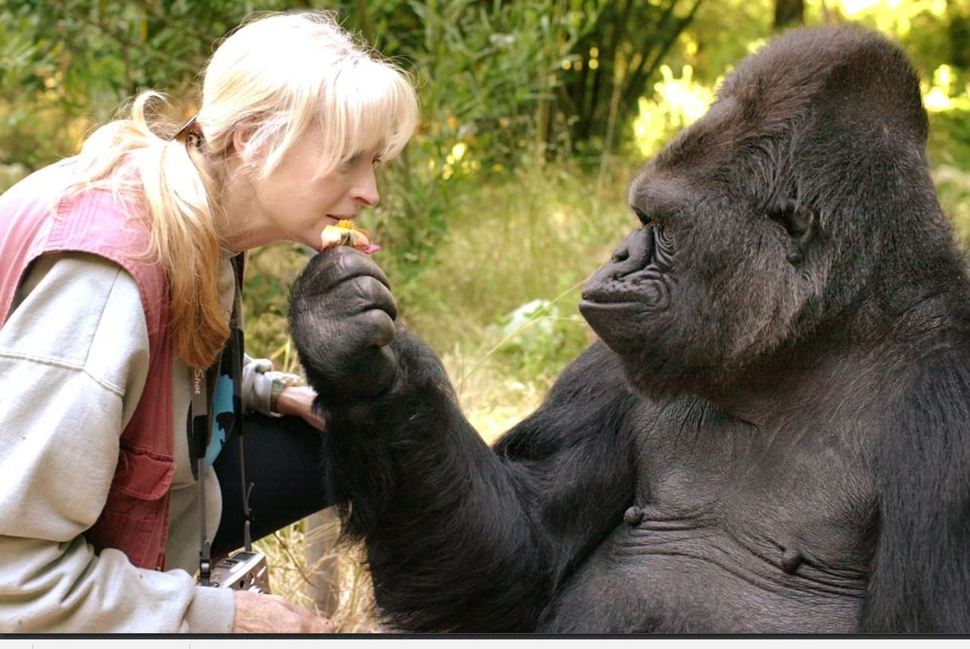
[533, 236]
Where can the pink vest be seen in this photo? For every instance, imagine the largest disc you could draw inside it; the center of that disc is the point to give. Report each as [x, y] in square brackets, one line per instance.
[135, 516]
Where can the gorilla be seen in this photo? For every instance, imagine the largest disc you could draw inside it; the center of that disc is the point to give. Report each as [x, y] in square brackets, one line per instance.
[772, 433]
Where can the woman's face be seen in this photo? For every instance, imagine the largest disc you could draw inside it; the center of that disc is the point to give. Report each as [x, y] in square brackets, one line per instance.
[295, 202]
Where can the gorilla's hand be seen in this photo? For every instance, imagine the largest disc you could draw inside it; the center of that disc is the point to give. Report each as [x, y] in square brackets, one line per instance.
[342, 320]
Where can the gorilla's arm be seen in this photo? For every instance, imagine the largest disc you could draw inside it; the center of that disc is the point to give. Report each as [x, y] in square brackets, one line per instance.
[461, 537]
[921, 570]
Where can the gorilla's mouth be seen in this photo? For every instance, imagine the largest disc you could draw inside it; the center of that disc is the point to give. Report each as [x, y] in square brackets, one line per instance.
[642, 286]
[636, 278]
[633, 287]
[645, 292]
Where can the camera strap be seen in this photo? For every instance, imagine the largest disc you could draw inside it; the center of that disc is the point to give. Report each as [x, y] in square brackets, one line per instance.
[219, 388]
[199, 416]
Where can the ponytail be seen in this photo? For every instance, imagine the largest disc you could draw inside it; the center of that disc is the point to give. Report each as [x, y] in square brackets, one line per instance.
[169, 180]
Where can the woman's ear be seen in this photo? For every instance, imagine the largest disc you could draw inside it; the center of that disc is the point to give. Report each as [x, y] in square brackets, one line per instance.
[242, 140]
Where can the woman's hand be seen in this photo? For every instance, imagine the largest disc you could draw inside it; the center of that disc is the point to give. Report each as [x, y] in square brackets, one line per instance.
[257, 613]
[298, 400]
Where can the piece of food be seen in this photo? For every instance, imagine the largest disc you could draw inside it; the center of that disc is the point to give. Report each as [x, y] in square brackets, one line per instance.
[345, 233]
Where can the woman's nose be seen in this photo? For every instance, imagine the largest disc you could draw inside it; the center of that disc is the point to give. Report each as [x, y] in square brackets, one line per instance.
[365, 190]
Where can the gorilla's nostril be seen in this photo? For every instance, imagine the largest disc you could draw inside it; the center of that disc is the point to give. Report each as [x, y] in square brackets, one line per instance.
[632, 255]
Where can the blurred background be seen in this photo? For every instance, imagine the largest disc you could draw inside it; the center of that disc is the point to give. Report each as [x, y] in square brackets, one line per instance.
[535, 116]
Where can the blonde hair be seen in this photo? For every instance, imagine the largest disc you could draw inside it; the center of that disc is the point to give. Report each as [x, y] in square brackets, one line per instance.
[277, 76]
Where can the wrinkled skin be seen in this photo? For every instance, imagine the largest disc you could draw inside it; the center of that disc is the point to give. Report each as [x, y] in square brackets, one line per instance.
[773, 434]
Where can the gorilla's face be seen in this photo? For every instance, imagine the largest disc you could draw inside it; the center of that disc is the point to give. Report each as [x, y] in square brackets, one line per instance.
[635, 285]
[720, 268]
[787, 216]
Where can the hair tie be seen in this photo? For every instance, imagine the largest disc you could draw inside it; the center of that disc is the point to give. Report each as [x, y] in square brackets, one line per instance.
[191, 133]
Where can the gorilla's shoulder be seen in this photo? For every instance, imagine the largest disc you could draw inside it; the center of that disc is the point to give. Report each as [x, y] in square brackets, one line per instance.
[595, 371]
[591, 399]
[940, 372]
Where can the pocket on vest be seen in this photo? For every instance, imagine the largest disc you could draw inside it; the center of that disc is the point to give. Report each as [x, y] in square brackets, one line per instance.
[142, 474]
[135, 516]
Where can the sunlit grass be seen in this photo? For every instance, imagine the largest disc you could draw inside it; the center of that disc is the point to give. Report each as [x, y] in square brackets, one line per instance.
[537, 235]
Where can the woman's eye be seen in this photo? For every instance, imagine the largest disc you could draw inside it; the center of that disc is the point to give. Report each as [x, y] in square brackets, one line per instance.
[350, 163]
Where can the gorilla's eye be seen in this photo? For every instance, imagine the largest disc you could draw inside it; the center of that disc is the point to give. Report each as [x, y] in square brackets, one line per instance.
[644, 219]
[659, 233]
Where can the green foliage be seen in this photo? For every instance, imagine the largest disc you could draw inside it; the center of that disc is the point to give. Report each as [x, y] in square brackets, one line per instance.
[483, 71]
[676, 103]
[720, 35]
[68, 65]
[616, 60]
[538, 339]
[270, 273]
[535, 236]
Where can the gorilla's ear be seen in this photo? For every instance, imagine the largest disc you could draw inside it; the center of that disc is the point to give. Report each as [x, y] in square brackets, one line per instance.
[799, 222]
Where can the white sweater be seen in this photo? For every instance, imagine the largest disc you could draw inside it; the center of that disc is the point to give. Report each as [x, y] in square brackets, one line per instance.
[73, 363]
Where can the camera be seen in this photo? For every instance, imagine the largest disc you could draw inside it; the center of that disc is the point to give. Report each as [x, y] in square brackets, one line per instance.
[242, 570]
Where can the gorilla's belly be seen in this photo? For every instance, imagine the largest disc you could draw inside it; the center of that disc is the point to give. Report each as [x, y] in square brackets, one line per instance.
[667, 578]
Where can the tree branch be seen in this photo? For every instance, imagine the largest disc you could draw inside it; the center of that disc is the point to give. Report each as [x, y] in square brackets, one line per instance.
[125, 41]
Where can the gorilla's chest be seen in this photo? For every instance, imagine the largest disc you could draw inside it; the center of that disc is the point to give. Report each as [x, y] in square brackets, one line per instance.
[732, 530]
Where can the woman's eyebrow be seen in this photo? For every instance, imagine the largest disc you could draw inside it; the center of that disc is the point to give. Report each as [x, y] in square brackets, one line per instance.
[357, 155]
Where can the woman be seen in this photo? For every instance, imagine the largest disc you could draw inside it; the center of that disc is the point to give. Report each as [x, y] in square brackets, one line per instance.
[117, 284]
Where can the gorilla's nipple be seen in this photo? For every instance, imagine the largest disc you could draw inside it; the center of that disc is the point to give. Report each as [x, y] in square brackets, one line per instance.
[791, 559]
[633, 516]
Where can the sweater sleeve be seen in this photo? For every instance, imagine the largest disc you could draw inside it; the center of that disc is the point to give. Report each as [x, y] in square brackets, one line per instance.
[257, 384]
[73, 364]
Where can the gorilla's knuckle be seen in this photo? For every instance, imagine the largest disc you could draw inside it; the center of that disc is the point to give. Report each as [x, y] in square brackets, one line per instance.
[368, 286]
[379, 326]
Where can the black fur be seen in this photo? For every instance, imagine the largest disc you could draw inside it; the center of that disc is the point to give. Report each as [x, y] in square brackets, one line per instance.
[774, 434]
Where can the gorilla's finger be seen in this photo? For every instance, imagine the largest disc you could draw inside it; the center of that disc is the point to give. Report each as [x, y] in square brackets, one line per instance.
[376, 372]
[378, 326]
[333, 266]
[358, 294]
[352, 262]
[377, 294]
